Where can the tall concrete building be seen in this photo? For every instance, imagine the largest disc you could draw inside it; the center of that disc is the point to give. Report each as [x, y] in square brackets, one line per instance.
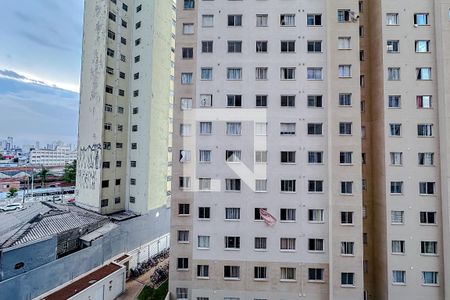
[125, 105]
[310, 153]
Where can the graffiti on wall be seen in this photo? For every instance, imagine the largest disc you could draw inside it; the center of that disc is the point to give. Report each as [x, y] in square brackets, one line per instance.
[89, 159]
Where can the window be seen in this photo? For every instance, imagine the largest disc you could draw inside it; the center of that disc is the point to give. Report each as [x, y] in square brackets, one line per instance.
[185, 182]
[232, 213]
[314, 46]
[108, 108]
[138, 25]
[185, 103]
[233, 128]
[426, 159]
[422, 46]
[393, 46]
[261, 156]
[110, 52]
[204, 156]
[288, 157]
[188, 28]
[287, 100]
[315, 186]
[234, 46]
[262, 20]
[287, 20]
[261, 73]
[112, 16]
[134, 128]
[288, 186]
[287, 46]
[124, 24]
[260, 243]
[398, 277]
[203, 241]
[260, 128]
[347, 187]
[316, 245]
[345, 128]
[393, 74]
[204, 212]
[207, 46]
[345, 71]
[186, 78]
[234, 100]
[135, 110]
[105, 183]
[202, 271]
[398, 247]
[261, 101]
[428, 247]
[133, 163]
[287, 128]
[315, 157]
[396, 187]
[395, 129]
[430, 278]
[182, 263]
[187, 53]
[132, 199]
[345, 158]
[392, 19]
[394, 101]
[189, 4]
[182, 293]
[231, 272]
[137, 59]
[347, 248]
[232, 184]
[423, 73]
[396, 158]
[314, 73]
[288, 273]
[344, 43]
[183, 209]
[345, 99]
[234, 73]
[233, 155]
[261, 46]
[315, 128]
[346, 218]
[111, 34]
[204, 184]
[344, 15]
[109, 89]
[287, 243]
[234, 20]
[315, 101]
[421, 19]
[118, 164]
[315, 215]
[287, 214]
[287, 73]
[427, 217]
[123, 58]
[347, 279]
[205, 100]
[104, 203]
[106, 165]
[424, 101]
[261, 185]
[205, 128]
[315, 274]
[314, 20]
[107, 145]
[185, 129]
[183, 236]
[427, 188]
[425, 130]
[207, 20]
[260, 273]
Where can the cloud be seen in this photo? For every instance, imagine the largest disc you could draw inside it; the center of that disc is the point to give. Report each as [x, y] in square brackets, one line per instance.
[10, 74]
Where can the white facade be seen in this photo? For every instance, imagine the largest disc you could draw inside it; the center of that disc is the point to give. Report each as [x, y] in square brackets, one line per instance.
[58, 157]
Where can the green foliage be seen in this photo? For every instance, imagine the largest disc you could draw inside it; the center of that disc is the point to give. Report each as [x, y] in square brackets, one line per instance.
[158, 294]
[12, 193]
[70, 172]
[43, 174]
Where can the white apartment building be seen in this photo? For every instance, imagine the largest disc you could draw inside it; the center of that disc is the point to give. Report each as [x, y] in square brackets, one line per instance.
[331, 116]
[125, 105]
[59, 157]
[267, 120]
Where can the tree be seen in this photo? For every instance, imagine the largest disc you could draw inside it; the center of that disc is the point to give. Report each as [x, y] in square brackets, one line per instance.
[70, 172]
[12, 193]
[42, 174]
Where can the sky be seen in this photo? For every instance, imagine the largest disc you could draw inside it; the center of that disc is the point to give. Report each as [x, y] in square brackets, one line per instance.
[40, 62]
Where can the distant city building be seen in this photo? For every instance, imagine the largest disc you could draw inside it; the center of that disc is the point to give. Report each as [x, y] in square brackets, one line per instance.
[58, 157]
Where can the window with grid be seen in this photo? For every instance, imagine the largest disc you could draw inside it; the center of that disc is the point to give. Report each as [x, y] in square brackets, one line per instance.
[234, 46]
[287, 20]
[314, 20]
[261, 185]
[425, 130]
[287, 73]
[182, 263]
[394, 101]
[345, 99]
[234, 73]
[287, 214]
[398, 247]
[314, 46]
[398, 277]
[203, 271]
[314, 73]
[183, 236]
[315, 186]
[344, 42]
[234, 100]
[261, 73]
[287, 46]
[397, 216]
[314, 101]
[288, 186]
[287, 157]
[287, 100]
[234, 20]
[262, 20]
[346, 217]
[233, 155]
[261, 46]
[347, 248]
[204, 184]
[396, 158]
[315, 215]
[315, 157]
[260, 272]
[424, 101]
[233, 184]
[316, 245]
[315, 274]
[393, 46]
[288, 273]
[315, 128]
[430, 278]
[231, 272]
[234, 128]
[232, 213]
[203, 241]
[261, 101]
[396, 187]
[393, 74]
[182, 293]
[428, 247]
[427, 188]
[427, 217]
[261, 156]
[260, 243]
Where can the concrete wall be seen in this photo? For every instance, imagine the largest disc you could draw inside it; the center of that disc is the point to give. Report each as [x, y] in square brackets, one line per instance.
[130, 235]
